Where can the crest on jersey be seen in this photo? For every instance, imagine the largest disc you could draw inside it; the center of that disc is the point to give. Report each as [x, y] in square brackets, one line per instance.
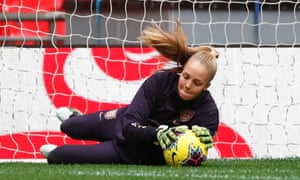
[184, 116]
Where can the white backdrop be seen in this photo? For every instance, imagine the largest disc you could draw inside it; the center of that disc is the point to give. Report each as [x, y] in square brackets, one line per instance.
[256, 89]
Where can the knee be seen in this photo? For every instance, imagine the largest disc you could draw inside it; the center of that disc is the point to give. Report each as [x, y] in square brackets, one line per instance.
[67, 127]
[72, 127]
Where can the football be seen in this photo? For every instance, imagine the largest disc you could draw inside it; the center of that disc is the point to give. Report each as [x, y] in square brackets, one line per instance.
[187, 150]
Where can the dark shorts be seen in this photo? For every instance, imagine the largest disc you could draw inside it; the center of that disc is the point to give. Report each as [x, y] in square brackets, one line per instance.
[99, 126]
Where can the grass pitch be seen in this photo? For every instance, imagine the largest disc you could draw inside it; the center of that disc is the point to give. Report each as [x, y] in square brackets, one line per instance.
[213, 169]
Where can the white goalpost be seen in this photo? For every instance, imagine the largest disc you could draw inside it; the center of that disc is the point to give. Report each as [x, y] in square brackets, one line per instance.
[85, 54]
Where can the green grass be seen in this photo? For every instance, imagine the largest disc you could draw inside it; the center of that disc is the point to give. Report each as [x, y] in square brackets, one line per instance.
[213, 169]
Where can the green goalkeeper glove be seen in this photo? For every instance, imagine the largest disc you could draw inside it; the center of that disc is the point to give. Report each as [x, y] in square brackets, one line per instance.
[204, 135]
[166, 135]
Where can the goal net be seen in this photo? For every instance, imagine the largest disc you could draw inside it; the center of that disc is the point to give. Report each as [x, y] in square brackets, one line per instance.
[85, 54]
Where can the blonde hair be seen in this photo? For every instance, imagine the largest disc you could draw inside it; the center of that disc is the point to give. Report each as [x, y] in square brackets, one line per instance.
[173, 45]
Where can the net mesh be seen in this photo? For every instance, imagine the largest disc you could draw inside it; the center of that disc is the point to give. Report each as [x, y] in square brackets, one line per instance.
[86, 54]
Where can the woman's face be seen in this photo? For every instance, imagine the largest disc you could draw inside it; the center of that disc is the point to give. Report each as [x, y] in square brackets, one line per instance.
[193, 80]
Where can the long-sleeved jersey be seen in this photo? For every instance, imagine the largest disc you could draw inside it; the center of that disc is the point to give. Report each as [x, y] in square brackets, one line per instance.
[157, 103]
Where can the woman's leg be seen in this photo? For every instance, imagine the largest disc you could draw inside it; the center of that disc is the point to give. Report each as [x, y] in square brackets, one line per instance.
[95, 126]
[103, 153]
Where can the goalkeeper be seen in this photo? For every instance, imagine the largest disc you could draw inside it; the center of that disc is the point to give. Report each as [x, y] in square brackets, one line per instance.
[169, 100]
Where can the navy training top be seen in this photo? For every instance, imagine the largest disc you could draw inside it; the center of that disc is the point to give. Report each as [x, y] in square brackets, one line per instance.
[157, 103]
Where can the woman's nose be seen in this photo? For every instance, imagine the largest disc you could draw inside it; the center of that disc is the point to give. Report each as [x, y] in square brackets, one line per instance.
[188, 84]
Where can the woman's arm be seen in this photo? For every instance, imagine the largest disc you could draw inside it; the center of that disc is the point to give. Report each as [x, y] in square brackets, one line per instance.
[136, 126]
[136, 132]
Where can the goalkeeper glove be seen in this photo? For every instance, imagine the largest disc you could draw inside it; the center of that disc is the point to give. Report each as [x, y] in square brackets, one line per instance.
[166, 135]
[204, 135]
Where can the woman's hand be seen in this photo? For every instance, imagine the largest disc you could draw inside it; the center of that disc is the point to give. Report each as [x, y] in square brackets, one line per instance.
[204, 135]
[166, 135]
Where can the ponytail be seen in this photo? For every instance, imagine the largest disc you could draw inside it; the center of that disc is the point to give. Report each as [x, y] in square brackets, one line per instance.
[174, 46]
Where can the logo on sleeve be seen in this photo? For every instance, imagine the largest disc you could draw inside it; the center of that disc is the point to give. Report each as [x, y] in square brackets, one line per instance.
[112, 114]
